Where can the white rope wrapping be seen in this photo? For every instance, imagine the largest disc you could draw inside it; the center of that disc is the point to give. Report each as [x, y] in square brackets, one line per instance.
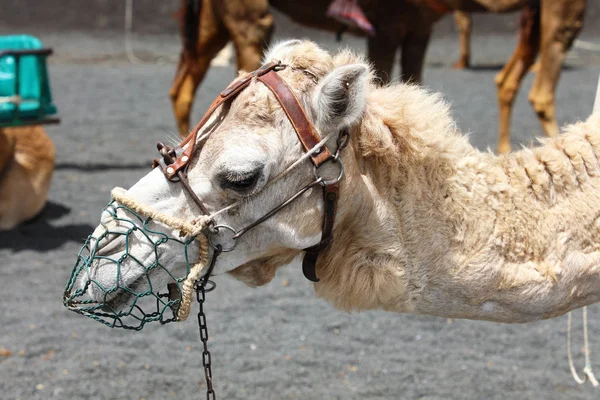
[587, 369]
[193, 228]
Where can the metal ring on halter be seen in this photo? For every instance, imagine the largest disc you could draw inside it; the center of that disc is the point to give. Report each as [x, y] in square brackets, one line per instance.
[327, 182]
[342, 141]
[212, 235]
[209, 286]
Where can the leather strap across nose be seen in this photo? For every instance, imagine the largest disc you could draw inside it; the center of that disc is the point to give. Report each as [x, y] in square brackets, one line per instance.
[175, 161]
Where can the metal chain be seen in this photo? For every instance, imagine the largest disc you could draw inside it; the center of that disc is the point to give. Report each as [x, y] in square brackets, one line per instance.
[206, 358]
[202, 287]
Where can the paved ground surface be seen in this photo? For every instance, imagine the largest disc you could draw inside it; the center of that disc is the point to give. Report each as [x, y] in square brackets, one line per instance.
[275, 342]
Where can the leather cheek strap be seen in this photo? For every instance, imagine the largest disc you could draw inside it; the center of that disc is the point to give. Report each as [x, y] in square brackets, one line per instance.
[309, 139]
[291, 106]
[226, 95]
[309, 263]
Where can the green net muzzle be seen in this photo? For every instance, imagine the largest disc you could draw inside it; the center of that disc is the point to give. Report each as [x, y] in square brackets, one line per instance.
[112, 285]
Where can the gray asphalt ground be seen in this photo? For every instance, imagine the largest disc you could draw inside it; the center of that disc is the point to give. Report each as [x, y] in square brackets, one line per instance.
[278, 341]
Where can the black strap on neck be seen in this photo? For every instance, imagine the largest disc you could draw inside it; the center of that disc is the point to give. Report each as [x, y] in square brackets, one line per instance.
[330, 196]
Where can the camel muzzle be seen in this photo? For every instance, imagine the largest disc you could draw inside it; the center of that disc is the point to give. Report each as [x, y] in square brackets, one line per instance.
[113, 286]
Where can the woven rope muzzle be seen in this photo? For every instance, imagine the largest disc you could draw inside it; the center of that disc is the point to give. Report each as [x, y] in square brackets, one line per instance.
[117, 304]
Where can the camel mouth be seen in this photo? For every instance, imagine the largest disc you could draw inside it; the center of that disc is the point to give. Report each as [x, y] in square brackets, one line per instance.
[122, 294]
[122, 300]
[113, 284]
[129, 273]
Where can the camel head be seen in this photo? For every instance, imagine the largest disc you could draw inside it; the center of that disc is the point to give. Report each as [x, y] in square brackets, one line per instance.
[252, 143]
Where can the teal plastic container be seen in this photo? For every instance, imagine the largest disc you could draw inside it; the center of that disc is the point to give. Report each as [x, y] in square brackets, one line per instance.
[25, 96]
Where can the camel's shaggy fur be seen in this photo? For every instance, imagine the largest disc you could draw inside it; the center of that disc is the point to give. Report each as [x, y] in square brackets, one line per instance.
[26, 166]
[430, 225]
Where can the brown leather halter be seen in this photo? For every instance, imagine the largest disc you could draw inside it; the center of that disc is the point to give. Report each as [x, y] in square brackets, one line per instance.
[174, 162]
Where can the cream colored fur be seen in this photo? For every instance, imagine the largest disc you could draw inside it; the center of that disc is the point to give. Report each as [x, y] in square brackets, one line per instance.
[426, 223]
[26, 166]
[462, 233]
[444, 229]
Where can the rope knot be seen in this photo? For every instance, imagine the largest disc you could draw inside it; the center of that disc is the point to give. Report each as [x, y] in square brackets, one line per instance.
[199, 224]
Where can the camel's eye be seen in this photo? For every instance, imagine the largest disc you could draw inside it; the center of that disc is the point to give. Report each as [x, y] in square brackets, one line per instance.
[239, 181]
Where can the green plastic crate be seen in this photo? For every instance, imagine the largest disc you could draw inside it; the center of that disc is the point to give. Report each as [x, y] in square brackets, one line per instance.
[25, 96]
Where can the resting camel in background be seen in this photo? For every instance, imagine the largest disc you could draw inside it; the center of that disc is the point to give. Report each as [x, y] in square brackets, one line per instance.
[548, 28]
[26, 166]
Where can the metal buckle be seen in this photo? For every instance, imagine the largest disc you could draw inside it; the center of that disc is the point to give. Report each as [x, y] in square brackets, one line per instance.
[168, 157]
[326, 182]
[213, 233]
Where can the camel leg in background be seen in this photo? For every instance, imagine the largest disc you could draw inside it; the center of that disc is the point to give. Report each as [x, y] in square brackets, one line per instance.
[561, 21]
[191, 69]
[382, 53]
[464, 24]
[509, 79]
[250, 30]
[414, 48]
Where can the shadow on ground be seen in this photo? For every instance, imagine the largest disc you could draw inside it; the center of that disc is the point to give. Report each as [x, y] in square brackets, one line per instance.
[102, 166]
[40, 235]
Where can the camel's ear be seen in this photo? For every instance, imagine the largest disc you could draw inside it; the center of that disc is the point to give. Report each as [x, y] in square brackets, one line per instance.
[339, 99]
